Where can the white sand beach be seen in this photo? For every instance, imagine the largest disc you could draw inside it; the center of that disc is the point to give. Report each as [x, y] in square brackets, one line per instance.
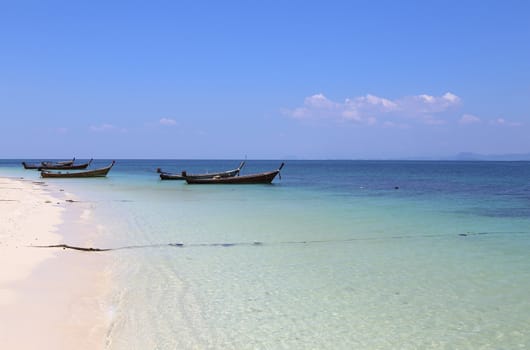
[49, 298]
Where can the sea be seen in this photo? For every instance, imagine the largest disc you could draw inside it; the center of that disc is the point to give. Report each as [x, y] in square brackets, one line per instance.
[332, 255]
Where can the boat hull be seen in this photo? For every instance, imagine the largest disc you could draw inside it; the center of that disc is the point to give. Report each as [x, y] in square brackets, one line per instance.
[170, 176]
[184, 175]
[30, 166]
[48, 164]
[263, 178]
[102, 172]
[65, 167]
[60, 163]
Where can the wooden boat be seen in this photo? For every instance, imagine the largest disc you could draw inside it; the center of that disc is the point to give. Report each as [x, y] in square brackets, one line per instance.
[65, 167]
[86, 173]
[44, 164]
[63, 162]
[171, 176]
[260, 178]
[30, 166]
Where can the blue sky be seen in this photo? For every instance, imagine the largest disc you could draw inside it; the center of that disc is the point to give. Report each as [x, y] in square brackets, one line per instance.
[265, 79]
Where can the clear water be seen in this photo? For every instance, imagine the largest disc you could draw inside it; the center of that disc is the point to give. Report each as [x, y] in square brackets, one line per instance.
[332, 256]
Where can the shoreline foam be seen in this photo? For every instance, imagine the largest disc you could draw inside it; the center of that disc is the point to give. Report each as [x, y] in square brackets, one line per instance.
[49, 298]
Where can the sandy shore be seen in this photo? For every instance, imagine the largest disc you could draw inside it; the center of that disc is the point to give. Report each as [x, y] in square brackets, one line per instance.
[49, 298]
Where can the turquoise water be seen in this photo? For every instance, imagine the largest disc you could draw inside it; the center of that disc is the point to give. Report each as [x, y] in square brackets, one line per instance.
[332, 256]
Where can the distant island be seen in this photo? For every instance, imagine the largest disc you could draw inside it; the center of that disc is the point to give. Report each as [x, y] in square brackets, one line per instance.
[462, 156]
[505, 157]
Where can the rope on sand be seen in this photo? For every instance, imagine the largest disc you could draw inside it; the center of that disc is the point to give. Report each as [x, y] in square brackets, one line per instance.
[66, 246]
[257, 243]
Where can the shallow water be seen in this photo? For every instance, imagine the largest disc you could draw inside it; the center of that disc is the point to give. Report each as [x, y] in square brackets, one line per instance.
[332, 256]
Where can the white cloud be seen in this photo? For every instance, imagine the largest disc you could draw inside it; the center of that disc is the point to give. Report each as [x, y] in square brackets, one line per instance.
[167, 121]
[425, 104]
[389, 124]
[319, 101]
[468, 119]
[106, 128]
[433, 121]
[316, 106]
[451, 97]
[504, 122]
[367, 109]
[102, 127]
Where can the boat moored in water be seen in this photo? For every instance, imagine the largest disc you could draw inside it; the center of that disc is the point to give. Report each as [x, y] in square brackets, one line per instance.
[45, 164]
[259, 178]
[183, 176]
[59, 163]
[101, 172]
[65, 167]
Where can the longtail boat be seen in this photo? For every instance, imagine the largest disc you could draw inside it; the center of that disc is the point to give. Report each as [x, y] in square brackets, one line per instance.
[171, 176]
[43, 164]
[259, 178]
[59, 163]
[30, 166]
[65, 167]
[101, 172]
